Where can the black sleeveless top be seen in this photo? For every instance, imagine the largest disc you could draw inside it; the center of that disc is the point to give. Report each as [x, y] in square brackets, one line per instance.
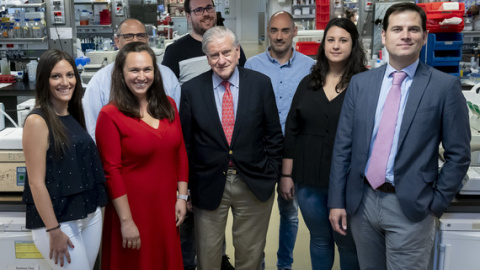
[75, 180]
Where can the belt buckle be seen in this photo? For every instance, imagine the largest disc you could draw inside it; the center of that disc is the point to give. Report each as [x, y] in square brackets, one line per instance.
[232, 171]
[385, 187]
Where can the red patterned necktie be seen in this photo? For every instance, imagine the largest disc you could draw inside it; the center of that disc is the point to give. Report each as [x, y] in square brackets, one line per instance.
[228, 117]
[386, 130]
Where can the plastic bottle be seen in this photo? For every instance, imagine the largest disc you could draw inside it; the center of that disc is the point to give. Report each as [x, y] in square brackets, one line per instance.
[5, 66]
[17, 29]
[37, 31]
[373, 61]
[32, 70]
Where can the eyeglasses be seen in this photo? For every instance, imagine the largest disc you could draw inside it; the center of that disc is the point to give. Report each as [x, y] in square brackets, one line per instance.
[199, 11]
[140, 36]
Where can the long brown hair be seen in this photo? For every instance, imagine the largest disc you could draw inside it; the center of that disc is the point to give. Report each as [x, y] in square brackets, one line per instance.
[158, 105]
[48, 60]
[355, 64]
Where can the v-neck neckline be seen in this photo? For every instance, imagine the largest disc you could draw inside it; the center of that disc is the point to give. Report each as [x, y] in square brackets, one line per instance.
[331, 100]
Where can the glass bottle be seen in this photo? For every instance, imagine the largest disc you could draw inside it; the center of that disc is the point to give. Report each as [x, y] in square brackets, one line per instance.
[17, 29]
[5, 30]
[27, 29]
[44, 27]
[37, 31]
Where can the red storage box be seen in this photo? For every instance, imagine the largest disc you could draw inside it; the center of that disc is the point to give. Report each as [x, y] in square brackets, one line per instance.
[7, 79]
[307, 47]
[321, 25]
[435, 15]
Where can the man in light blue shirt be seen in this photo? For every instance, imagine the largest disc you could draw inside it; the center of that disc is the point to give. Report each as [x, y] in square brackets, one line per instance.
[286, 68]
[97, 93]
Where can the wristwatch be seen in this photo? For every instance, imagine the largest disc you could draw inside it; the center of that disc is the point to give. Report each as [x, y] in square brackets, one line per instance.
[182, 197]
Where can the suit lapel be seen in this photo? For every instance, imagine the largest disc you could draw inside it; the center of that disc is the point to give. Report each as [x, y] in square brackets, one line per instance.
[243, 96]
[373, 94]
[417, 89]
[210, 105]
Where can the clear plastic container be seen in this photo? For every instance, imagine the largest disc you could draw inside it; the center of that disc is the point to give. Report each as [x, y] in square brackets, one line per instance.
[5, 64]
[32, 70]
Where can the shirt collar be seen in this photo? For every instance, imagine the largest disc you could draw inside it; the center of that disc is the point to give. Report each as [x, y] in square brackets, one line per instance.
[410, 70]
[216, 80]
[273, 60]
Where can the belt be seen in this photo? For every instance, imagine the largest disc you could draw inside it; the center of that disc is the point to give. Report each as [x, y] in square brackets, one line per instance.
[232, 171]
[385, 187]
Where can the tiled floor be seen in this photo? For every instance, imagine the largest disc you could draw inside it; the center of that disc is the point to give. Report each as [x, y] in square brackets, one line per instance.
[301, 253]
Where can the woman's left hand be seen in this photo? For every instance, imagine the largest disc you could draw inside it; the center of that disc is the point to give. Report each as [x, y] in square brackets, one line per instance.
[180, 211]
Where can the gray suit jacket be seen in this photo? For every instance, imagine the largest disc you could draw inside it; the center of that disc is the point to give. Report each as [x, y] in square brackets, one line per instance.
[435, 113]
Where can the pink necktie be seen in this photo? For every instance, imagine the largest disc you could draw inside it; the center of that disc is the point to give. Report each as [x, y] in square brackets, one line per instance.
[383, 142]
[228, 117]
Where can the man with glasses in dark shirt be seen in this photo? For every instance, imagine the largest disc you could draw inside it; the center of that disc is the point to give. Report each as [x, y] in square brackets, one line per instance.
[97, 93]
[185, 56]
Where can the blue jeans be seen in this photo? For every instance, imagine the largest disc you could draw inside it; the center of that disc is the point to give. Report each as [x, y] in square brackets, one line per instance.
[313, 204]
[288, 231]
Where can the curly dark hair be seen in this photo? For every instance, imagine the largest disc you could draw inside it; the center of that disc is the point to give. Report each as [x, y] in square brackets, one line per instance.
[158, 105]
[355, 64]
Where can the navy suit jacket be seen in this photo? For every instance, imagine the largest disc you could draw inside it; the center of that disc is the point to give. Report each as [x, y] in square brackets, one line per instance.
[257, 140]
[435, 113]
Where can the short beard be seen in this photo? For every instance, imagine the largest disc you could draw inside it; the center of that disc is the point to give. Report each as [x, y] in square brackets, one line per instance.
[200, 31]
[280, 52]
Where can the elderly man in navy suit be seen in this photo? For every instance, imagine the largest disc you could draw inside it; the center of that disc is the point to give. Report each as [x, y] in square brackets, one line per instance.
[234, 143]
[385, 172]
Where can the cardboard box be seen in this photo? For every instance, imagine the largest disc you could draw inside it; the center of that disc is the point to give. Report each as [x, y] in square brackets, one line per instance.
[12, 171]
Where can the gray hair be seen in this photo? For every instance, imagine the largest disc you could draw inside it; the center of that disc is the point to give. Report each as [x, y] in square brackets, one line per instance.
[218, 32]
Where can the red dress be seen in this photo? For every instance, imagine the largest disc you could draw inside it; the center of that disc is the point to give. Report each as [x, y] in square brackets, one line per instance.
[145, 163]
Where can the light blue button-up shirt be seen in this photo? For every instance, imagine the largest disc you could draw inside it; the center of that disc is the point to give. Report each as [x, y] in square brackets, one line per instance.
[386, 85]
[285, 78]
[219, 90]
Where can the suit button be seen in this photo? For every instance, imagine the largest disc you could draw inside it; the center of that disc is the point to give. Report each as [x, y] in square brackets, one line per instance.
[230, 152]
[224, 173]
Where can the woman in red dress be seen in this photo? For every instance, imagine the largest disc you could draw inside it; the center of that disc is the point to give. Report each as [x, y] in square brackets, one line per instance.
[141, 145]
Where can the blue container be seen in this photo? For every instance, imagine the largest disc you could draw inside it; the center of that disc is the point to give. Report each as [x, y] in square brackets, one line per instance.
[442, 47]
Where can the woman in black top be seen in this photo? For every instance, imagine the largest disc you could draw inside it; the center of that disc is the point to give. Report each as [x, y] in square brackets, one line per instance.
[64, 188]
[309, 135]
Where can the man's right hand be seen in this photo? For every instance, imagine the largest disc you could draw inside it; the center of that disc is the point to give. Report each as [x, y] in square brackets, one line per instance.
[338, 219]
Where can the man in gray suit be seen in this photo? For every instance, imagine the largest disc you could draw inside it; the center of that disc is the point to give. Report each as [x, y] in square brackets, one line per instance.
[385, 161]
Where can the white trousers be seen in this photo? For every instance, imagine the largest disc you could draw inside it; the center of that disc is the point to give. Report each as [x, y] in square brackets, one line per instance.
[85, 235]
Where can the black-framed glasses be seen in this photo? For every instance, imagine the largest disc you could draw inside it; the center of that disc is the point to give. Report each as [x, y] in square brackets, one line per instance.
[128, 37]
[199, 11]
